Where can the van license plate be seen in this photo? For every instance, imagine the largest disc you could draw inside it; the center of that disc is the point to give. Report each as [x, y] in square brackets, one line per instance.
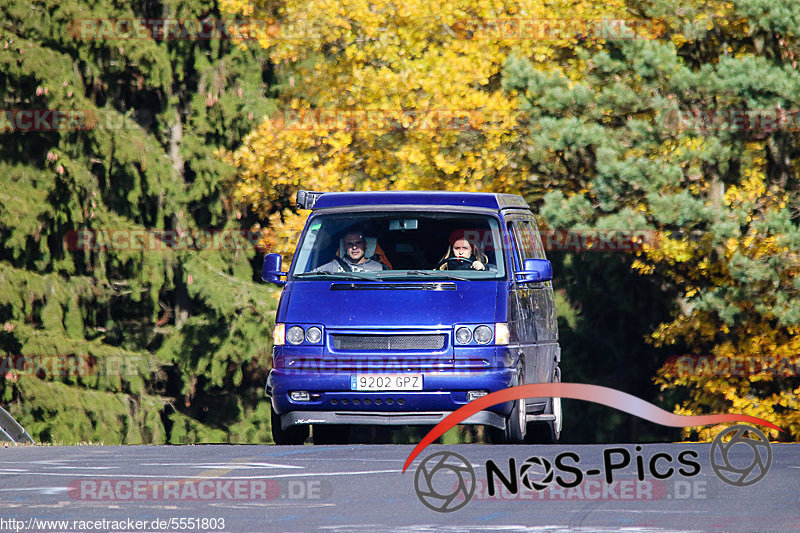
[388, 382]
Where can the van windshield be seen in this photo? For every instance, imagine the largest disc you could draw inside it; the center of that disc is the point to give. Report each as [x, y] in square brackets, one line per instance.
[401, 245]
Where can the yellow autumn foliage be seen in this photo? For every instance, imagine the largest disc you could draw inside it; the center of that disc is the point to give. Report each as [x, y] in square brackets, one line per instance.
[768, 354]
[392, 96]
[378, 95]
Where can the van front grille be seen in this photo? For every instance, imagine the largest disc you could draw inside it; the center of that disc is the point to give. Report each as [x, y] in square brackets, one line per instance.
[365, 343]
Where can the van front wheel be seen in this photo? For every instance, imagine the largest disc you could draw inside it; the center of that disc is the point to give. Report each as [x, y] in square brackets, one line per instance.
[550, 431]
[516, 426]
[293, 435]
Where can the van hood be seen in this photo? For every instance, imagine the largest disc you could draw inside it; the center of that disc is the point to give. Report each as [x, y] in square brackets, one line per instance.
[389, 304]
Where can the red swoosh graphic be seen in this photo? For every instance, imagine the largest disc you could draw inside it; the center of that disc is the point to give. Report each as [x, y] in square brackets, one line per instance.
[579, 391]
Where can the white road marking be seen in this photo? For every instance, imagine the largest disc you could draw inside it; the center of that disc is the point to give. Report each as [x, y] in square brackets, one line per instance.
[162, 476]
[323, 474]
[232, 466]
[85, 467]
[650, 511]
[424, 528]
[350, 459]
[275, 505]
[41, 490]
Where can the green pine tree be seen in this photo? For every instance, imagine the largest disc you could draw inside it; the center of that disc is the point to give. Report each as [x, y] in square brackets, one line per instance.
[190, 329]
[631, 144]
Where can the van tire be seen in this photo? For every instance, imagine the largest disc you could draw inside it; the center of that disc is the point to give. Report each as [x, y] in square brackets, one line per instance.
[548, 432]
[516, 427]
[292, 436]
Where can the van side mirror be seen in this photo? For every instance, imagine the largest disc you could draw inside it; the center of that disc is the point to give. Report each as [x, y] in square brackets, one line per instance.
[271, 271]
[535, 270]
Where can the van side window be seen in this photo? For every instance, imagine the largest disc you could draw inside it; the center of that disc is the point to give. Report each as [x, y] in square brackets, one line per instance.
[532, 241]
[524, 241]
[516, 244]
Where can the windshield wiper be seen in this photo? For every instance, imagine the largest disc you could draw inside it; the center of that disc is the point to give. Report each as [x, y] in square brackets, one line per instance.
[438, 274]
[343, 275]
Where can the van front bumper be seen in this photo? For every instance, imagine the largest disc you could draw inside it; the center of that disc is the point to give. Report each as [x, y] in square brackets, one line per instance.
[383, 418]
[334, 402]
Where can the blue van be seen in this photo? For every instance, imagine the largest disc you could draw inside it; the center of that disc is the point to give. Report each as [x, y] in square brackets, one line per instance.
[401, 307]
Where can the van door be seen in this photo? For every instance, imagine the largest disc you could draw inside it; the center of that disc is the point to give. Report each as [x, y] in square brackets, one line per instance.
[523, 300]
[543, 304]
[537, 302]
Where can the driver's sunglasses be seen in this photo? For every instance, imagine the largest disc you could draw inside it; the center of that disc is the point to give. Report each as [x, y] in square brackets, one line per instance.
[355, 244]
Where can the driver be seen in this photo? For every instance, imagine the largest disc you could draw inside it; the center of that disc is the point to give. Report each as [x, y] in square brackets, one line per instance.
[462, 254]
[354, 258]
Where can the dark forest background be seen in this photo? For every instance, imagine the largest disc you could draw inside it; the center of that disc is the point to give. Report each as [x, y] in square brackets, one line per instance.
[192, 328]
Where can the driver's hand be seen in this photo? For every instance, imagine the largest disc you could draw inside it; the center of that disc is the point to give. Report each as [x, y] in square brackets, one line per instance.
[477, 265]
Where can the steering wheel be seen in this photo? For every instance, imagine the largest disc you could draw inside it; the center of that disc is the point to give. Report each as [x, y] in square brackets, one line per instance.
[456, 263]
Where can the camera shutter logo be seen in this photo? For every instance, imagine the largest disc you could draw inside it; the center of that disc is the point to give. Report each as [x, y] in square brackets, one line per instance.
[536, 466]
[447, 493]
[727, 470]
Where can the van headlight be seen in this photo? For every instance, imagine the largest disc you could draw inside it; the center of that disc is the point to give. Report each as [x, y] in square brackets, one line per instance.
[483, 334]
[295, 335]
[313, 335]
[463, 335]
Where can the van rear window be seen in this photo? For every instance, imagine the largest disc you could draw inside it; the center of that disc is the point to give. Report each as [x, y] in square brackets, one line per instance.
[401, 245]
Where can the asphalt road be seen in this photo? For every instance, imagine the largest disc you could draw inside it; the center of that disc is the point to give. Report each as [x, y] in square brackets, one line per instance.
[361, 488]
